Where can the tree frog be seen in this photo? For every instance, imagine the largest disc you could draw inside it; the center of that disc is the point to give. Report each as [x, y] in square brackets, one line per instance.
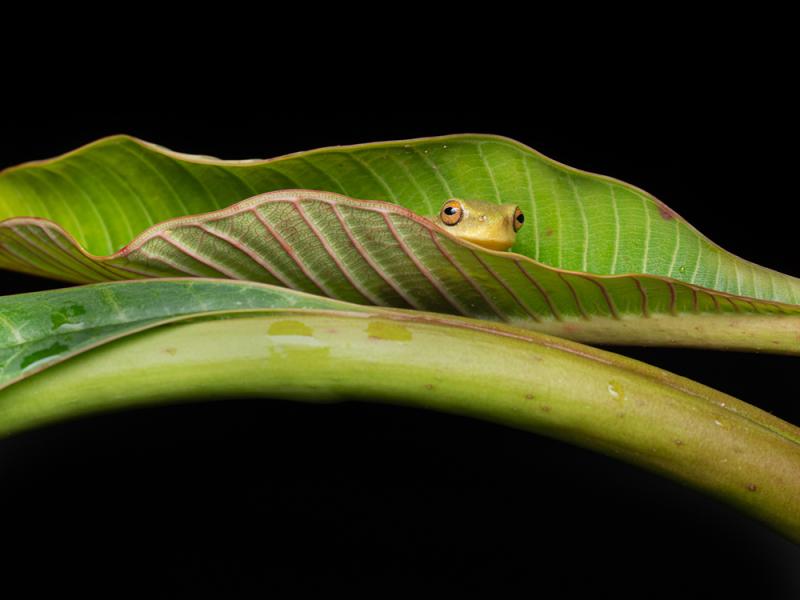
[487, 224]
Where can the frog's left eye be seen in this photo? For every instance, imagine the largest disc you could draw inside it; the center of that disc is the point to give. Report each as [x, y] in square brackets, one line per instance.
[519, 219]
[452, 212]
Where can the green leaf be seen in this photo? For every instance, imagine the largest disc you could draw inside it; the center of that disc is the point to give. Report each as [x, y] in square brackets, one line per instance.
[264, 345]
[40, 329]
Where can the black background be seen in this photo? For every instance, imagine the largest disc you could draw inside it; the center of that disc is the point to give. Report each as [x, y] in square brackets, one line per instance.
[240, 496]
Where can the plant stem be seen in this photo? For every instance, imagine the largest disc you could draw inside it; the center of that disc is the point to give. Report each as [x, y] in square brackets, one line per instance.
[589, 397]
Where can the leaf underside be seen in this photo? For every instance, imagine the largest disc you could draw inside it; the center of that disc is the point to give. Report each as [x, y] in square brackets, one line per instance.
[107, 193]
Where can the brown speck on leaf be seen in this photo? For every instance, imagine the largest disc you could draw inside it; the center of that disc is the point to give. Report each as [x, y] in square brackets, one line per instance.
[544, 408]
[678, 442]
[751, 487]
[549, 232]
[428, 386]
[529, 396]
[171, 351]
[665, 212]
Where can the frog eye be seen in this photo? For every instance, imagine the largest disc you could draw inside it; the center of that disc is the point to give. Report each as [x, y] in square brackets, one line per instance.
[519, 219]
[452, 212]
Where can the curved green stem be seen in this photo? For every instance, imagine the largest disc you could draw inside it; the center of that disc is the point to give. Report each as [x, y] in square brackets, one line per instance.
[593, 398]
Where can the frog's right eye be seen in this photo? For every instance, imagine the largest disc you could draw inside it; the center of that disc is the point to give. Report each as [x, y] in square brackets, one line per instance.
[452, 212]
[519, 219]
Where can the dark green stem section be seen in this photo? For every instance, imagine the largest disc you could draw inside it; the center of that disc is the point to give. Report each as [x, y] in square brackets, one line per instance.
[589, 397]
